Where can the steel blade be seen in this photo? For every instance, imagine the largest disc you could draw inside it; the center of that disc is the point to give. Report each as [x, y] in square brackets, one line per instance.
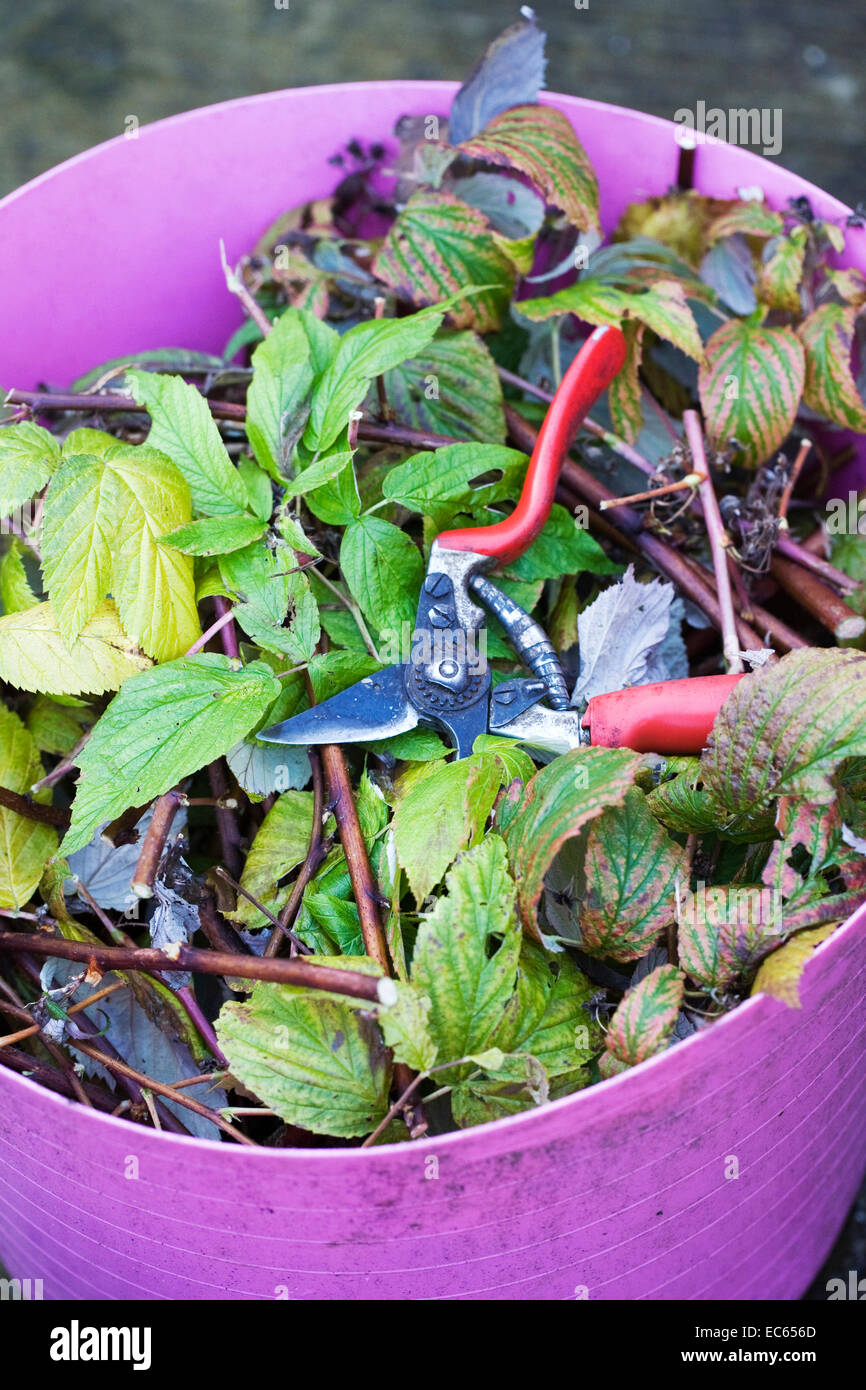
[376, 707]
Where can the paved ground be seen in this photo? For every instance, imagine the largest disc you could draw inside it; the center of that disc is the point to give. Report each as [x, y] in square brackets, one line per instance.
[72, 73]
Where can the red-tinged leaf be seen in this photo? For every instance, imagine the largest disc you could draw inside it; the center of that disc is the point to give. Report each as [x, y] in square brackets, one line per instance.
[437, 246]
[540, 142]
[724, 930]
[750, 386]
[831, 390]
[849, 283]
[624, 397]
[751, 218]
[784, 729]
[631, 868]
[815, 834]
[780, 973]
[645, 1016]
[557, 803]
[781, 273]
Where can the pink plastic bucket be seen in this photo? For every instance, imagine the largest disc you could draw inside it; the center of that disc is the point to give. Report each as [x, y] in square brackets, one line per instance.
[624, 1191]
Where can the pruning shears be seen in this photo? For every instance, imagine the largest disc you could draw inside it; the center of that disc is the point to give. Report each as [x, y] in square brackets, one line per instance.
[445, 681]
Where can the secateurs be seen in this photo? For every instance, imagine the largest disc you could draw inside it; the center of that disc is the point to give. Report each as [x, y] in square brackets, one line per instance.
[445, 681]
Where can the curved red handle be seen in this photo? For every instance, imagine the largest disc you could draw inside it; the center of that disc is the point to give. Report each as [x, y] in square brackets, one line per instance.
[591, 372]
[672, 717]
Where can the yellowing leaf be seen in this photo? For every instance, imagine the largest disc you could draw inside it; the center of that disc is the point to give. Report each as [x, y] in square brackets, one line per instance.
[624, 395]
[28, 457]
[34, 655]
[779, 975]
[752, 218]
[25, 845]
[750, 387]
[831, 390]
[103, 515]
[466, 953]
[15, 591]
[540, 142]
[318, 1062]
[782, 271]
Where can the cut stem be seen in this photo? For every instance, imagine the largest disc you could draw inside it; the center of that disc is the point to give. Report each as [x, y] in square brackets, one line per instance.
[719, 541]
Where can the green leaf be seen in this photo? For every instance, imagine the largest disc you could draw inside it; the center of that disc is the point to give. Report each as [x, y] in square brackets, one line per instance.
[444, 811]
[540, 142]
[83, 509]
[437, 246]
[28, 457]
[466, 953]
[34, 655]
[750, 387]
[56, 728]
[320, 472]
[160, 728]
[546, 1015]
[632, 869]
[556, 804]
[383, 569]
[561, 548]
[406, 1029]
[269, 591]
[662, 307]
[827, 335]
[451, 388]
[785, 728]
[518, 1083]
[280, 845]
[331, 672]
[183, 428]
[25, 845]
[277, 400]
[645, 1018]
[318, 1062]
[439, 482]
[15, 591]
[215, 535]
[683, 804]
[258, 486]
[364, 352]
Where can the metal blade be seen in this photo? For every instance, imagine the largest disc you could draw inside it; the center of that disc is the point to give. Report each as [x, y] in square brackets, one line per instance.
[376, 707]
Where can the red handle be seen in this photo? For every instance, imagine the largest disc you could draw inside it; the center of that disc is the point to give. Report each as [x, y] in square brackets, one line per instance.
[591, 372]
[673, 717]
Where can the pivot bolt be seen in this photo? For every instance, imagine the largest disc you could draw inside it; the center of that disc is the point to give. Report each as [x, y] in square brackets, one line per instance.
[436, 585]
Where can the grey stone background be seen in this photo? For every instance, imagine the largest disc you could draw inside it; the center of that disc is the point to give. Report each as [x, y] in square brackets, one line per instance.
[70, 73]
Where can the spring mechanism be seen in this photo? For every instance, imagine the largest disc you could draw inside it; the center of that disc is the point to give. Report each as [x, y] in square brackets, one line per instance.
[527, 637]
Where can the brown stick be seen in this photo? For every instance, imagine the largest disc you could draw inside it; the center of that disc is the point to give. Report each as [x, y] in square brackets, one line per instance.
[31, 810]
[718, 541]
[54, 1079]
[316, 852]
[358, 864]
[66, 400]
[153, 960]
[785, 639]
[164, 811]
[798, 553]
[818, 599]
[663, 556]
[159, 1089]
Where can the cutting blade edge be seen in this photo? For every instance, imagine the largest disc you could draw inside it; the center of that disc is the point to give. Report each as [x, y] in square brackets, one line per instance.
[375, 707]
